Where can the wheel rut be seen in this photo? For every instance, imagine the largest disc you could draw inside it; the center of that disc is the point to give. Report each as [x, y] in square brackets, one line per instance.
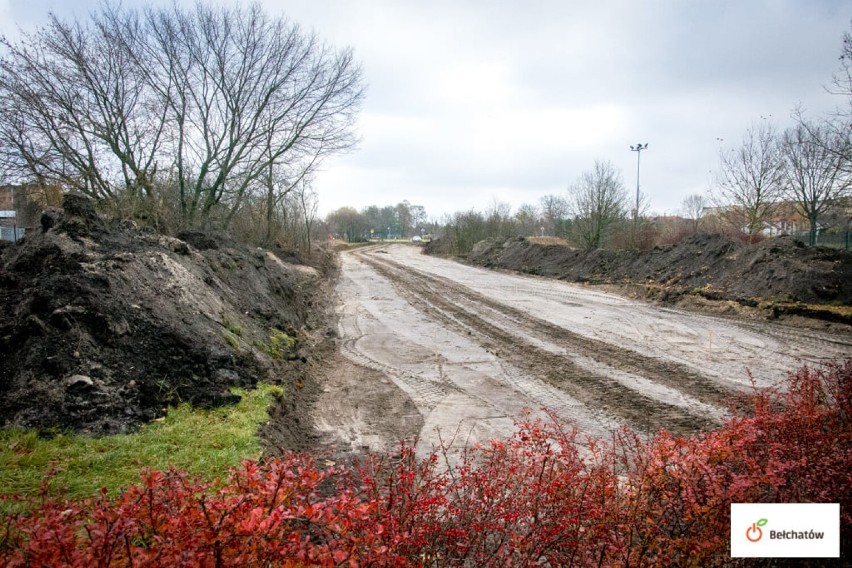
[550, 354]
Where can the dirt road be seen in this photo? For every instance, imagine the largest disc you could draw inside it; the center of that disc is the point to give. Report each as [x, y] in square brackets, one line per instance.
[432, 349]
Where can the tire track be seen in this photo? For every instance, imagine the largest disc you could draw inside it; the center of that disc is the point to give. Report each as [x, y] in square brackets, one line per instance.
[674, 375]
[455, 307]
[425, 393]
[816, 342]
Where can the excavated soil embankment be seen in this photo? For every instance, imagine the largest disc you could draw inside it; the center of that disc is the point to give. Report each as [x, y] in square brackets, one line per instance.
[105, 325]
[780, 275]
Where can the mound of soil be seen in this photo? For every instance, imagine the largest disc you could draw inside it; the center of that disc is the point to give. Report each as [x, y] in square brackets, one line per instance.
[718, 267]
[105, 325]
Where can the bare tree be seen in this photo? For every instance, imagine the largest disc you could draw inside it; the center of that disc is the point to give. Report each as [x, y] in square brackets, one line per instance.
[254, 92]
[349, 224]
[554, 209]
[597, 201]
[277, 184]
[749, 182]
[528, 219]
[498, 219]
[464, 229]
[815, 170]
[555, 213]
[404, 218]
[299, 212]
[308, 205]
[212, 99]
[693, 208]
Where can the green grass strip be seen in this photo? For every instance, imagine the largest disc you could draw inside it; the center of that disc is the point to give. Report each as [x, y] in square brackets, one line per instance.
[201, 442]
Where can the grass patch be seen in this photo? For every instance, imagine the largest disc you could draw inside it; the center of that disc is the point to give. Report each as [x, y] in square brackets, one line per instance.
[280, 344]
[202, 442]
[232, 341]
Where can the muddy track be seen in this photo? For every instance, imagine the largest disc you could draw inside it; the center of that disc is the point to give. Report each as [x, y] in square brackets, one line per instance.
[672, 375]
[550, 353]
[430, 349]
[427, 393]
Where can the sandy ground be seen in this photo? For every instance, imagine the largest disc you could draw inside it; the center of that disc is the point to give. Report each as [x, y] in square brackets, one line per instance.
[434, 350]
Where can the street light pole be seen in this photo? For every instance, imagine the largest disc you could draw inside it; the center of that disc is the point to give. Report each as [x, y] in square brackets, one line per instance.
[638, 149]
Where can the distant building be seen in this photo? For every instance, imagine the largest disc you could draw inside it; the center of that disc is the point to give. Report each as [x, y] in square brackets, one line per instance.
[21, 206]
[787, 219]
[9, 230]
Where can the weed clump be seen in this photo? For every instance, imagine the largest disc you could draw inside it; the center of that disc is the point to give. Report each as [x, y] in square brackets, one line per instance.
[280, 346]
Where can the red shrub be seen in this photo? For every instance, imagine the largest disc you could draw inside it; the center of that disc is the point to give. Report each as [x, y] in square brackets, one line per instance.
[535, 498]
[265, 514]
[519, 501]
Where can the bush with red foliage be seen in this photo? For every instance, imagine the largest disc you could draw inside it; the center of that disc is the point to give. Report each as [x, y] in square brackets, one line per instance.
[542, 497]
[270, 514]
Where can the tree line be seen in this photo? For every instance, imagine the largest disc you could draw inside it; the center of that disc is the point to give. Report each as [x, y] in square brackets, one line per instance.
[805, 168]
[775, 175]
[400, 221]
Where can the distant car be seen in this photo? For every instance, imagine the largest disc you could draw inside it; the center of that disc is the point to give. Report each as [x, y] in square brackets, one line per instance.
[416, 239]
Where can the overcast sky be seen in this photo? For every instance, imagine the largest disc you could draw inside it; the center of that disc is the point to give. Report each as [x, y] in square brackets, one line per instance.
[472, 101]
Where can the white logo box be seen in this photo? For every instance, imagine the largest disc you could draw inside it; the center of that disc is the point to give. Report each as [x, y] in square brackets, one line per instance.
[785, 530]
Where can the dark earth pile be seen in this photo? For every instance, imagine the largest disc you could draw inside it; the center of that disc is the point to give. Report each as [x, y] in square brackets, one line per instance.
[779, 269]
[103, 325]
